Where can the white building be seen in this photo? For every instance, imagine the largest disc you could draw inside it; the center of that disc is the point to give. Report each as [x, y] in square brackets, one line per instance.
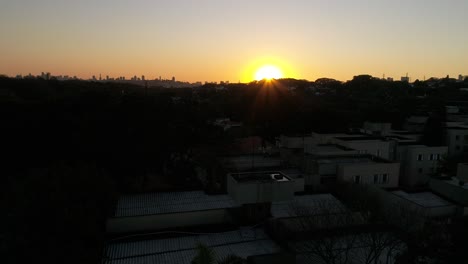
[360, 169]
[262, 187]
[418, 162]
[457, 139]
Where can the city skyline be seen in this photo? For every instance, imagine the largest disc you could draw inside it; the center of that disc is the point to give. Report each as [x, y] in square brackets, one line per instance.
[221, 40]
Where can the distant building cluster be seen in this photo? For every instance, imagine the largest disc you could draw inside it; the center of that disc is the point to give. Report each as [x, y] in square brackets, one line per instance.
[284, 187]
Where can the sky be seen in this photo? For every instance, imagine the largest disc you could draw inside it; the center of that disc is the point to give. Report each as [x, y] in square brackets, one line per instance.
[227, 40]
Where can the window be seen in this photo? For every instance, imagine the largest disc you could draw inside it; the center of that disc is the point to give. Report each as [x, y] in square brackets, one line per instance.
[357, 179]
[379, 153]
[437, 156]
[420, 170]
[385, 178]
[376, 178]
[420, 157]
[431, 157]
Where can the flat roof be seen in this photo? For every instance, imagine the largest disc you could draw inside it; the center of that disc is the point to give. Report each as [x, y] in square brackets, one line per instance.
[344, 159]
[359, 138]
[244, 242]
[404, 132]
[263, 176]
[314, 204]
[251, 161]
[455, 181]
[332, 147]
[424, 199]
[173, 202]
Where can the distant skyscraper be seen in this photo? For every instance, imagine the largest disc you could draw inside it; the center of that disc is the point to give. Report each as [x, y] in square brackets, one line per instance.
[142, 77]
[173, 79]
[405, 78]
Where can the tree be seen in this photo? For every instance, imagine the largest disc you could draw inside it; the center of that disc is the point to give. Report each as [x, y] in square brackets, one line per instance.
[206, 255]
[340, 235]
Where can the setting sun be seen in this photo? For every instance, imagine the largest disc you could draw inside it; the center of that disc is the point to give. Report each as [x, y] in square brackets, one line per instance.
[268, 72]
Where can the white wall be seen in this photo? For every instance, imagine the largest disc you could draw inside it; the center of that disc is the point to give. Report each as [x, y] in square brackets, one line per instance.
[346, 173]
[260, 192]
[411, 175]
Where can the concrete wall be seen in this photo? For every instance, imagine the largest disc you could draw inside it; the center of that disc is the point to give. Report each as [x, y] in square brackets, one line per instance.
[377, 128]
[260, 191]
[416, 172]
[346, 173]
[164, 221]
[294, 142]
[456, 142]
[377, 148]
[462, 172]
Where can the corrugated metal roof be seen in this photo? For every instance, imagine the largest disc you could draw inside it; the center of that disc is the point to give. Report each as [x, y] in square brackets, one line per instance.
[160, 203]
[128, 249]
[307, 205]
[182, 249]
[424, 199]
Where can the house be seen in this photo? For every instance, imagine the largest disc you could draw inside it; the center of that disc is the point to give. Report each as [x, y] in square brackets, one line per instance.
[415, 123]
[358, 168]
[256, 191]
[457, 139]
[418, 162]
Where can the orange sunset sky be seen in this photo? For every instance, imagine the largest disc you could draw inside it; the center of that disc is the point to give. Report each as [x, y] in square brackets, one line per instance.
[221, 40]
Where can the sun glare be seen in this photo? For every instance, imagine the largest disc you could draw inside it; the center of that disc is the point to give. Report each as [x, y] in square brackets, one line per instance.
[268, 72]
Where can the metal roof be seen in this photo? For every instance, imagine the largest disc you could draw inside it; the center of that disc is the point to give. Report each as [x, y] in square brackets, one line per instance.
[243, 243]
[307, 204]
[424, 199]
[174, 202]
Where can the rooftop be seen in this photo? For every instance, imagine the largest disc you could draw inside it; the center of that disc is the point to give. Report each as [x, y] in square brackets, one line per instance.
[424, 199]
[455, 182]
[173, 202]
[359, 138]
[243, 243]
[248, 162]
[349, 159]
[264, 176]
[315, 204]
[323, 148]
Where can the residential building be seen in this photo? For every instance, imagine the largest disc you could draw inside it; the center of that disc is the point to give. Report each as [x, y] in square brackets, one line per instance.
[360, 169]
[376, 129]
[261, 187]
[367, 145]
[255, 192]
[457, 139]
[415, 123]
[418, 162]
